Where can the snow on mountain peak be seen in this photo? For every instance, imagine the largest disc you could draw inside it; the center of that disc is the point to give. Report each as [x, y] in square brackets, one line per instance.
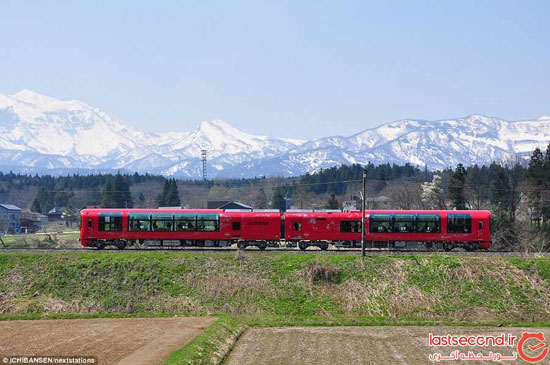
[32, 97]
[218, 127]
[38, 132]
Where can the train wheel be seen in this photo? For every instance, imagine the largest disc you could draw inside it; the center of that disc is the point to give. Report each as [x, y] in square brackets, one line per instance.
[121, 245]
[324, 246]
[100, 245]
[262, 246]
[241, 245]
[448, 248]
[302, 246]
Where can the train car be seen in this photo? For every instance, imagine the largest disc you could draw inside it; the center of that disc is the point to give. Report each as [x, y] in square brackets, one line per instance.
[447, 229]
[321, 228]
[123, 227]
[252, 228]
[185, 227]
[391, 229]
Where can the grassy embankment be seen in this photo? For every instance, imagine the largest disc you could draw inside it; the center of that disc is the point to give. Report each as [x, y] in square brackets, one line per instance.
[41, 240]
[276, 289]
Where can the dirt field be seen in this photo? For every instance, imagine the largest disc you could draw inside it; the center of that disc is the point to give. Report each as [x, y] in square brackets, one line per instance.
[111, 340]
[358, 345]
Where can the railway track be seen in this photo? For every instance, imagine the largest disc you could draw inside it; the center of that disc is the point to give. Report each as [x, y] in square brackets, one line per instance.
[334, 251]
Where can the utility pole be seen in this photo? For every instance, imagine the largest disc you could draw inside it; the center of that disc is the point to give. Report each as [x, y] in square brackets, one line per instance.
[203, 159]
[363, 204]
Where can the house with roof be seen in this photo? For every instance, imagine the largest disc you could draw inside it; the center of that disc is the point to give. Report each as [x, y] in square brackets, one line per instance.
[55, 214]
[226, 204]
[10, 219]
[379, 202]
[31, 222]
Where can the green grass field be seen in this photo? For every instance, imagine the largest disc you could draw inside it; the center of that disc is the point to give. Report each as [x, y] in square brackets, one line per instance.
[276, 289]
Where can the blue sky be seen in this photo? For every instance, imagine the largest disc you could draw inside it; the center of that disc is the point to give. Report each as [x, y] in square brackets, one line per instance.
[282, 68]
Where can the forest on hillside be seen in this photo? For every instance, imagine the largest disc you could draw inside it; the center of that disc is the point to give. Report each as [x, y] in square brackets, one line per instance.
[517, 192]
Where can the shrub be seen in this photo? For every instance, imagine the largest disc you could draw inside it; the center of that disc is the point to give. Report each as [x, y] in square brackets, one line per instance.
[322, 273]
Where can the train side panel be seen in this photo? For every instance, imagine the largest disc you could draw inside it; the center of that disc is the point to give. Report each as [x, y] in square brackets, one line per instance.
[252, 226]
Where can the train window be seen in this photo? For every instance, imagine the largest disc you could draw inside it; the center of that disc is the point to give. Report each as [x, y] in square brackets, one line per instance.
[350, 226]
[185, 222]
[380, 223]
[162, 222]
[428, 223]
[139, 222]
[89, 223]
[480, 225]
[208, 222]
[404, 223]
[297, 226]
[236, 226]
[459, 223]
[110, 222]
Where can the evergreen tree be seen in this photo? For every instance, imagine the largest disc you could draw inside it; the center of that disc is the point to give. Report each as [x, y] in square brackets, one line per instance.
[122, 198]
[505, 195]
[35, 207]
[107, 200]
[278, 201]
[45, 200]
[456, 188]
[161, 198]
[260, 200]
[172, 197]
[535, 185]
[476, 186]
[332, 202]
[545, 197]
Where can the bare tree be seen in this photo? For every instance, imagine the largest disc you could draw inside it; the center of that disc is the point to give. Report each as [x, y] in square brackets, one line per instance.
[432, 193]
[406, 195]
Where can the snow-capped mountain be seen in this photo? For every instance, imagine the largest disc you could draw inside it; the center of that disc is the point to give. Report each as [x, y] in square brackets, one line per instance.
[42, 134]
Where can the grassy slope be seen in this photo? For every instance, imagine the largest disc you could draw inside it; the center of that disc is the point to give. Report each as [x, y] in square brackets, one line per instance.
[212, 346]
[274, 289]
[278, 285]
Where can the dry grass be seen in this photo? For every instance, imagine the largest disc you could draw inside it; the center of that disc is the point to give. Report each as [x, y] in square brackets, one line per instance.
[178, 304]
[317, 272]
[383, 294]
[45, 304]
[237, 292]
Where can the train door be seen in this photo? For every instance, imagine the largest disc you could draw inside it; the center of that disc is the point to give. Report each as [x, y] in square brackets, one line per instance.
[296, 229]
[89, 227]
[479, 229]
[236, 229]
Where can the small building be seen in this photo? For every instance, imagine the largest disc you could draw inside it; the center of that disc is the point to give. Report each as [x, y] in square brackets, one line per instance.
[39, 218]
[349, 205]
[55, 214]
[10, 219]
[379, 202]
[32, 222]
[226, 204]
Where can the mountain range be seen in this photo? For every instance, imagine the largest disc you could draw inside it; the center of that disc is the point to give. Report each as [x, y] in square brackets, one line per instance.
[45, 135]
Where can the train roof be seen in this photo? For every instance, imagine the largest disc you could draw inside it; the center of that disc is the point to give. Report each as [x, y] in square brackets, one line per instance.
[296, 213]
[151, 210]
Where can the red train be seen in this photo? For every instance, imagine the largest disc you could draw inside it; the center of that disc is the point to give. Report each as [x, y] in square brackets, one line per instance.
[445, 229]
